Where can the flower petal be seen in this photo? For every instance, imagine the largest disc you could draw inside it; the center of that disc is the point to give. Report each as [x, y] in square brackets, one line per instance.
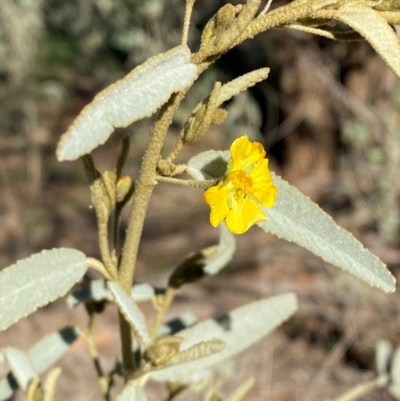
[263, 186]
[243, 215]
[217, 198]
[245, 153]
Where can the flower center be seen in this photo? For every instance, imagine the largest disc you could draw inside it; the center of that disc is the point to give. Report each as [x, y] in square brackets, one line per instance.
[241, 185]
[240, 180]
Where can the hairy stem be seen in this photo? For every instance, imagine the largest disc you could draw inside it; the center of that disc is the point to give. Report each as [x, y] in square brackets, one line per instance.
[189, 183]
[143, 189]
[126, 345]
[97, 265]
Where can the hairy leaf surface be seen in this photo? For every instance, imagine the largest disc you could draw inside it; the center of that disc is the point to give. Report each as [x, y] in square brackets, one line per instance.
[375, 30]
[36, 281]
[238, 330]
[139, 94]
[296, 218]
[132, 313]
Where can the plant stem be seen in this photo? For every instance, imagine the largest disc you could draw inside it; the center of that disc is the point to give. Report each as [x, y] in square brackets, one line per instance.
[97, 265]
[143, 189]
[88, 334]
[126, 345]
[189, 183]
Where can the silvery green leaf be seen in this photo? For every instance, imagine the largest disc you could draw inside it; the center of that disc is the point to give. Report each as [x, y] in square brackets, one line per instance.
[132, 313]
[132, 393]
[142, 292]
[7, 386]
[96, 290]
[238, 330]
[41, 356]
[139, 94]
[374, 28]
[223, 253]
[296, 218]
[36, 281]
[208, 165]
[208, 261]
[383, 353]
[184, 321]
[51, 348]
[20, 366]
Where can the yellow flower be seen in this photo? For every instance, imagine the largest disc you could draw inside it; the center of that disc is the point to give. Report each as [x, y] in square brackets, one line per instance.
[248, 184]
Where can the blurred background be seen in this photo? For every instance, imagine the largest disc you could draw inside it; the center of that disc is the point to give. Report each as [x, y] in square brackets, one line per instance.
[328, 117]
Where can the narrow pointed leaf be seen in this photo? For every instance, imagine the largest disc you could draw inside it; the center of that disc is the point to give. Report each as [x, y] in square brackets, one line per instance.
[375, 30]
[238, 330]
[184, 321]
[139, 94]
[20, 366]
[41, 356]
[132, 314]
[36, 281]
[296, 218]
[51, 348]
[207, 262]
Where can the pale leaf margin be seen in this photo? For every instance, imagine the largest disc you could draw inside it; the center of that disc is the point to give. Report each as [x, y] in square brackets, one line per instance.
[238, 329]
[139, 94]
[296, 218]
[41, 356]
[37, 281]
